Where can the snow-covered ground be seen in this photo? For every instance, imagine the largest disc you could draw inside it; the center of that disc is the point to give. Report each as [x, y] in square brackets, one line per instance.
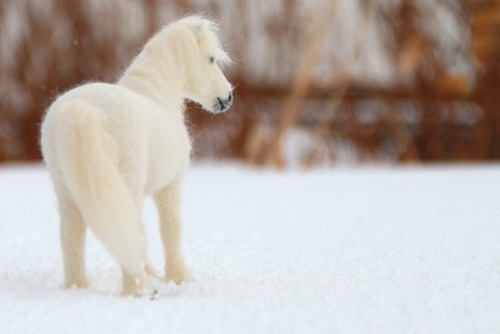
[360, 250]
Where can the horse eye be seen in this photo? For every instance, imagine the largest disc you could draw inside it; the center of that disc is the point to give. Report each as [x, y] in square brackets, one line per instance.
[211, 60]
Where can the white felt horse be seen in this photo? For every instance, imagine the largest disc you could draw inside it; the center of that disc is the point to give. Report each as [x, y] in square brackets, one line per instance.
[108, 145]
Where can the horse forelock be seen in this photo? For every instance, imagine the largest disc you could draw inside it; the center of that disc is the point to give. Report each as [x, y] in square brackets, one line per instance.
[206, 34]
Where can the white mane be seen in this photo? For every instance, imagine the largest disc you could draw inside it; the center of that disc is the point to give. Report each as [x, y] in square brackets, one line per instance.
[206, 33]
[179, 46]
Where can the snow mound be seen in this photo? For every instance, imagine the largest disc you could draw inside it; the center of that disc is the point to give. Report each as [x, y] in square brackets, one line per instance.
[363, 250]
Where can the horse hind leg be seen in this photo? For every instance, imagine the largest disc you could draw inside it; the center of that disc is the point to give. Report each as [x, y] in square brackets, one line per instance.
[134, 284]
[123, 240]
[72, 233]
[130, 283]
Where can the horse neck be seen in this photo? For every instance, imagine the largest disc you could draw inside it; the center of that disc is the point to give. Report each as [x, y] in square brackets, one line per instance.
[157, 76]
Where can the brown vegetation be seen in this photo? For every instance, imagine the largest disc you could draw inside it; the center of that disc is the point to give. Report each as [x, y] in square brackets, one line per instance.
[288, 81]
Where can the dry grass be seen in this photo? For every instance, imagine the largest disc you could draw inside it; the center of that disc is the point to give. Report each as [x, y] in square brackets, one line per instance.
[429, 111]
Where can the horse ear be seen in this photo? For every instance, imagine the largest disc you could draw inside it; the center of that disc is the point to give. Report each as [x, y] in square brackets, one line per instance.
[200, 26]
[197, 24]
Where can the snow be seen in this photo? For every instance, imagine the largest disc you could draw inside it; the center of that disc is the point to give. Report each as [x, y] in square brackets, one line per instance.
[348, 250]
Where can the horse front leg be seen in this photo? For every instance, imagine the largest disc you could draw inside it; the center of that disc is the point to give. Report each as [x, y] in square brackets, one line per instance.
[168, 204]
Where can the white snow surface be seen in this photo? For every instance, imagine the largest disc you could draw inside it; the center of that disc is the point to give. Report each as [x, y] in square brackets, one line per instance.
[345, 250]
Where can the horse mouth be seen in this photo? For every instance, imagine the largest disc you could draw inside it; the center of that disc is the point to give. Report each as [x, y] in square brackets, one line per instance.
[221, 105]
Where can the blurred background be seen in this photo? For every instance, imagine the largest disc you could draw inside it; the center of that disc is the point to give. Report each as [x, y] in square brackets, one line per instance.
[317, 82]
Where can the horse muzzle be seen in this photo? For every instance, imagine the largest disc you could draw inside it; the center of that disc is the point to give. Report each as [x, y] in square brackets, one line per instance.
[223, 104]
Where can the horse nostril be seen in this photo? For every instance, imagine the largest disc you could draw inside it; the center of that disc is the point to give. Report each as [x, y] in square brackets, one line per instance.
[221, 103]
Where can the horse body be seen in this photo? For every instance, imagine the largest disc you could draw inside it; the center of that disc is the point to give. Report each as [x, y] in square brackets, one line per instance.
[108, 145]
[152, 143]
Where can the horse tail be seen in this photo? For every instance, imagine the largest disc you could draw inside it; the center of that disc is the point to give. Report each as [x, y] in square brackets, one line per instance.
[88, 157]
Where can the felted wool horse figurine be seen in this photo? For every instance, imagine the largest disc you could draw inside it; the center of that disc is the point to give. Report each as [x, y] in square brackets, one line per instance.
[107, 146]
